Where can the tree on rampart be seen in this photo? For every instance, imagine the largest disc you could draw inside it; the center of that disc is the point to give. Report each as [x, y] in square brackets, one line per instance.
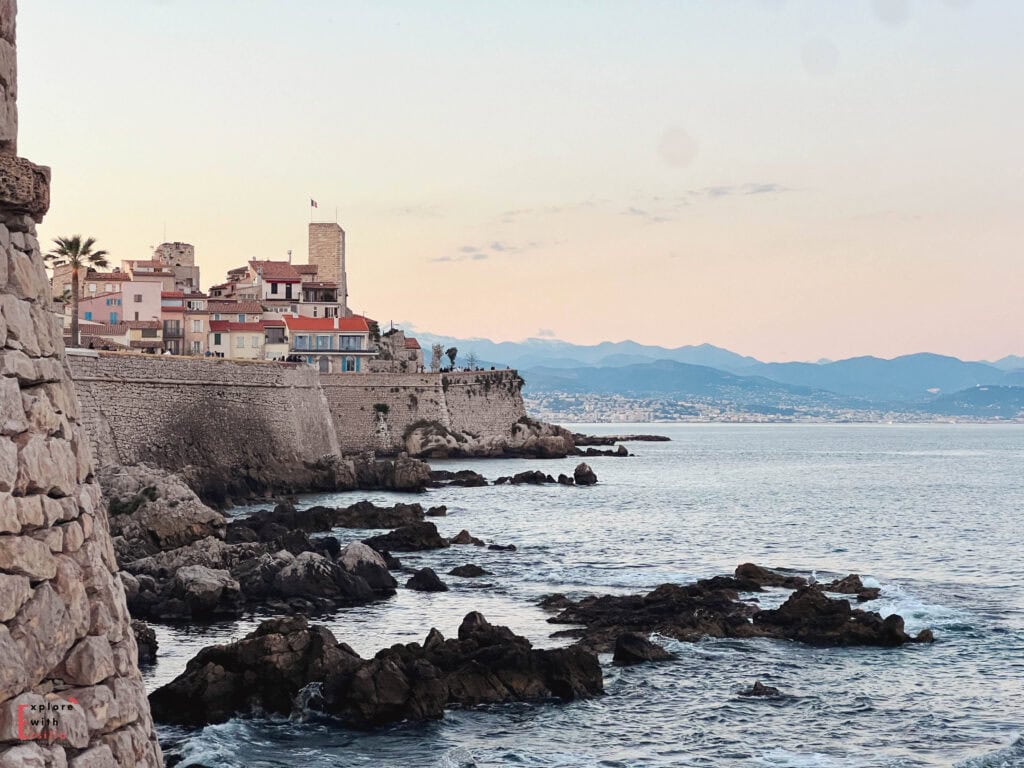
[437, 351]
[452, 353]
[77, 253]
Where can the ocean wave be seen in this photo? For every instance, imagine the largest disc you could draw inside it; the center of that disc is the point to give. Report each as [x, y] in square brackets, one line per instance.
[1011, 756]
[917, 613]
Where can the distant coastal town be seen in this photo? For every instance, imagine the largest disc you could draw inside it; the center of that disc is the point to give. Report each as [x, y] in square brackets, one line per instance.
[263, 310]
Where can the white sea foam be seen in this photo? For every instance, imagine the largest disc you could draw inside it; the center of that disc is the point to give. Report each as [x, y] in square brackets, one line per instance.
[457, 758]
[783, 758]
[917, 613]
[1011, 756]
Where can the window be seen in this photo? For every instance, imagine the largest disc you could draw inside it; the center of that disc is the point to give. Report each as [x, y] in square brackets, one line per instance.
[314, 311]
[273, 287]
[88, 315]
[351, 342]
[302, 343]
[108, 288]
[137, 298]
[197, 326]
[149, 333]
[275, 335]
[216, 339]
[323, 342]
[113, 318]
[92, 287]
[196, 348]
[240, 341]
[216, 315]
[136, 315]
[241, 318]
[255, 342]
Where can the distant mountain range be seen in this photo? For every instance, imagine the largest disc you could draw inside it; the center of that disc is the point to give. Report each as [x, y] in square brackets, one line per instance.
[923, 382]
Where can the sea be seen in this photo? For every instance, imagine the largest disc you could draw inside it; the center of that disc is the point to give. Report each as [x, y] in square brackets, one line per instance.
[933, 514]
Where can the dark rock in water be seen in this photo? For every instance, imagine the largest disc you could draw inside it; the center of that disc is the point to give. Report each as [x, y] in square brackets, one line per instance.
[268, 668]
[619, 451]
[365, 562]
[759, 689]
[328, 546]
[768, 578]
[565, 480]
[468, 571]
[579, 439]
[503, 547]
[464, 477]
[530, 477]
[145, 639]
[284, 521]
[852, 585]
[584, 475]
[633, 648]
[425, 580]
[409, 538]
[438, 511]
[711, 608]
[314, 576]
[810, 616]
[464, 537]
[393, 563]
[556, 602]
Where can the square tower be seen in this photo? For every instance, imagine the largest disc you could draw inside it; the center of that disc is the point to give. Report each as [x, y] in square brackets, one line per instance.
[327, 252]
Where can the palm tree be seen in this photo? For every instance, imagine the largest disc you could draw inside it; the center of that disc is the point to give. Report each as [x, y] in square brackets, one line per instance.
[78, 253]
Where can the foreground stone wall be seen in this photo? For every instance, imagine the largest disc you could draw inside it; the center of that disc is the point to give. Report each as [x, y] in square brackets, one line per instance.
[180, 411]
[70, 689]
[373, 411]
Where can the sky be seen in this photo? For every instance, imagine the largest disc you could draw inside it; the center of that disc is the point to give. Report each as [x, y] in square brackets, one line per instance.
[788, 179]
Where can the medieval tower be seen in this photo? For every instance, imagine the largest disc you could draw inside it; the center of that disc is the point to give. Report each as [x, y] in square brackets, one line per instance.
[327, 252]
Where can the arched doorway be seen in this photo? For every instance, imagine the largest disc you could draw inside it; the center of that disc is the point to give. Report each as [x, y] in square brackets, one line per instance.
[325, 364]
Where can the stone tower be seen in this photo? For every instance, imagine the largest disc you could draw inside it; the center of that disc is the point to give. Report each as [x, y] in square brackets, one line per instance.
[67, 653]
[327, 252]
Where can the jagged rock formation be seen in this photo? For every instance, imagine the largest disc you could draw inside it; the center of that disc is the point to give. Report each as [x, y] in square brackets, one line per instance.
[67, 652]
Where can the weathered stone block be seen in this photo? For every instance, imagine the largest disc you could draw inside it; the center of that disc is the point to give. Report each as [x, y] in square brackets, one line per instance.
[25, 556]
[97, 702]
[13, 675]
[16, 363]
[73, 536]
[12, 412]
[53, 538]
[97, 757]
[46, 466]
[14, 592]
[90, 661]
[42, 632]
[18, 317]
[30, 510]
[9, 520]
[24, 186]
[8, 464]
[70, 585]
[24, 755]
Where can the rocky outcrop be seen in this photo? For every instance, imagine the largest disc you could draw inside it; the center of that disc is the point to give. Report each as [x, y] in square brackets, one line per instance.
[529, 477]
[468, 571]
[584, 475]
[580, 439]
[425, 580]
[268, 668]
[270, 525]
[527, 437]
[759, 689]
[409, 538]
[810, 616]
[759, 576]
[712, 608]
[633, 648]
[152, 510]
[852, 585]
[145, 639]
[465, 537]
[212, 578]
[466, 478]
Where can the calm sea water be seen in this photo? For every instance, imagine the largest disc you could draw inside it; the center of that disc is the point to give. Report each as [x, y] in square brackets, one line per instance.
[934, 514]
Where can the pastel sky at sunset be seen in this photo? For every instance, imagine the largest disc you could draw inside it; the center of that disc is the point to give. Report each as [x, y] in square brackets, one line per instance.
[791, 180]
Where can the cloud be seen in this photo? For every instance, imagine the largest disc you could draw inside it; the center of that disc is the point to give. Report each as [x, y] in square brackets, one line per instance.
[729, 190]
[417, 211]
[654, 218]
[484, 252]
[545, 333]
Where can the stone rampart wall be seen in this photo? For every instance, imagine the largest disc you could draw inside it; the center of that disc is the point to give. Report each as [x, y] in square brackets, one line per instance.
[175, 412]
[374, 410]
[180, 411]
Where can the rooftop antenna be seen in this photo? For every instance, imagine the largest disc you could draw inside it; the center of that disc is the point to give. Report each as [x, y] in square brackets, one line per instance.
[289, 255]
